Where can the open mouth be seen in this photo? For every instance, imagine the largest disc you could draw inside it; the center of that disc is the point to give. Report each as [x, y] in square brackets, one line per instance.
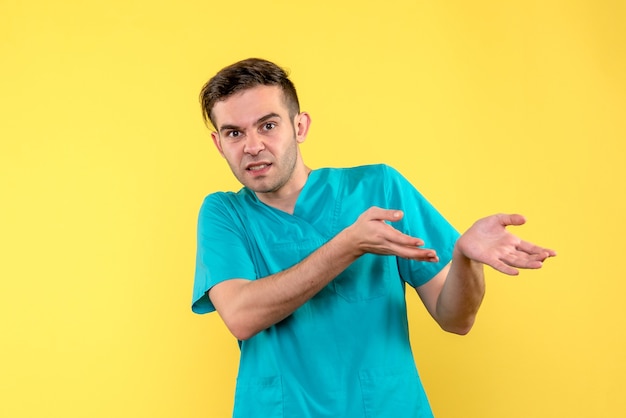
[258, 167]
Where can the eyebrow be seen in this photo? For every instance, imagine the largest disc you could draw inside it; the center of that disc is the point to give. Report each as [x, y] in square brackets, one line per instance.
[259, 121]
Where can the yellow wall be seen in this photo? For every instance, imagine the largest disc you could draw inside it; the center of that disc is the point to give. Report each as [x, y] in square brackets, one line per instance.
[487, 106]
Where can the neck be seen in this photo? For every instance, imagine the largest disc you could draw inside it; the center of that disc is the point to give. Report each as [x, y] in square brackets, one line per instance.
[285, 200]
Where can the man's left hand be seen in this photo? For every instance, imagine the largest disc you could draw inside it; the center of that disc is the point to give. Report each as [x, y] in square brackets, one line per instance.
[489, 242]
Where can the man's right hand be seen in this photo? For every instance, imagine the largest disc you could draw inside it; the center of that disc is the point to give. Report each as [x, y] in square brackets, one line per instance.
[249, 306]
[372, 234]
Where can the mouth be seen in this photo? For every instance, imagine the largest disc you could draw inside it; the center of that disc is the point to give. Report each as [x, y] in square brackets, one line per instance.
[258, 167]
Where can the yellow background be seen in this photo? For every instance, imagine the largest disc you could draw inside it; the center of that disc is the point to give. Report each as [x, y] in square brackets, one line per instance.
[486, 106]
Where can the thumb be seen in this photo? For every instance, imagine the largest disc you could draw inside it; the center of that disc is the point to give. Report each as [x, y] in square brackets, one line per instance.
[511, 219]
[385, 214]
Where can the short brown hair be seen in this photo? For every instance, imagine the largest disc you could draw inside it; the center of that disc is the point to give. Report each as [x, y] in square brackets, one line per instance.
[243, 75]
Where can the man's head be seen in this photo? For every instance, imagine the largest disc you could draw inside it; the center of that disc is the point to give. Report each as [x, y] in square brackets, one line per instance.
[258, 128]
[244, 75]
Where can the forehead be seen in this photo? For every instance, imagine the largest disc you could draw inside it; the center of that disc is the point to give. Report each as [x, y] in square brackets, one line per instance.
[247, 106]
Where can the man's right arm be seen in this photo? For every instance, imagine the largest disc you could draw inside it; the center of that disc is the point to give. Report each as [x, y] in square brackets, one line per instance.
[250, 306]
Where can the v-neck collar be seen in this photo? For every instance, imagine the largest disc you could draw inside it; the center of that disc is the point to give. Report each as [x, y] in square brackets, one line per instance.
[302, 196]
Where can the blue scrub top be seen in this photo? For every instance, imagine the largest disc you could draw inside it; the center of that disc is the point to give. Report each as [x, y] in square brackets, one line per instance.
[346, 352]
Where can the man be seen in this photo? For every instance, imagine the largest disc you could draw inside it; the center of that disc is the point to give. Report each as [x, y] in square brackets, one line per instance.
[308, 268]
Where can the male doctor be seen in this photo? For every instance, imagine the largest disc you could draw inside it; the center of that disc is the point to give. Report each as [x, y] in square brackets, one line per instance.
[308, 267]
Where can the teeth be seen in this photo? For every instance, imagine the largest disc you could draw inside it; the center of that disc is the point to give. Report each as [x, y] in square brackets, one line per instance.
[257, 167]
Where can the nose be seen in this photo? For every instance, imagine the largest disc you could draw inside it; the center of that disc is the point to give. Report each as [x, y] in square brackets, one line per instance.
[254, 144]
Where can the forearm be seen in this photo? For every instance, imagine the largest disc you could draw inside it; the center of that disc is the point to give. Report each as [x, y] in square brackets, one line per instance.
[250, 306]
[461, 295]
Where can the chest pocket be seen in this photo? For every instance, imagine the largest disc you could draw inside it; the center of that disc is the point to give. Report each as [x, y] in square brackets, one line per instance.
[367, 278]
[274, 258]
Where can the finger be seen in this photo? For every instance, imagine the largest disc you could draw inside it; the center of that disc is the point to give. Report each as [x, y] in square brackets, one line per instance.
[530, 248]
[384, 214]
[393, 236]
[523, 260]
[511, 219]
[503, 267]
[417, 254]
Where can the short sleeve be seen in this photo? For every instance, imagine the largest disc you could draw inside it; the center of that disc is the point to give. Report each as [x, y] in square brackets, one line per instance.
[222, 250]
[420, 220]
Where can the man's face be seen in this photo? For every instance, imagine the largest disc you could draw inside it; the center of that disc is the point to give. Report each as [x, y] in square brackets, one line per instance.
[259, 140]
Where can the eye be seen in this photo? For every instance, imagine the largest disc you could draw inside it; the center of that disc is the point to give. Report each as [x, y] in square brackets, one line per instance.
[233, 134]
[268, 126]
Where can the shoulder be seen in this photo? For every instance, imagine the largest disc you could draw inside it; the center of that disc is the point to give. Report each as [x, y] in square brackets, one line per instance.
[375, 176]
[218, 200]
[361, 172]
[375, 181]
[225, 209]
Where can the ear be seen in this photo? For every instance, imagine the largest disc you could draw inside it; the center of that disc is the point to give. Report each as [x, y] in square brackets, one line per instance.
[216, 140]
[302, 122]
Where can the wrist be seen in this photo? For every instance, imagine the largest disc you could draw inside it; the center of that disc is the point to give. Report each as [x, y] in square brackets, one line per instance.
[459, 254]
[348, 244]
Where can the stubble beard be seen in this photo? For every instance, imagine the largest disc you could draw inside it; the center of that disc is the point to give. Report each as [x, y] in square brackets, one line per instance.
[287, 164]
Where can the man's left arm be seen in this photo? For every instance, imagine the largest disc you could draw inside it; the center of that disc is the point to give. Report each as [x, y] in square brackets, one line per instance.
[454, 295]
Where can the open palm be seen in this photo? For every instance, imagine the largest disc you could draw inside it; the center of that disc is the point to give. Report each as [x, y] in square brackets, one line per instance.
[489, 242]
